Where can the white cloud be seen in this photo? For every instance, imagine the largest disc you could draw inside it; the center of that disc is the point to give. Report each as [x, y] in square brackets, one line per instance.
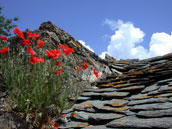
[84, 44]
[103, 55]
[160, 44]
[124, 43]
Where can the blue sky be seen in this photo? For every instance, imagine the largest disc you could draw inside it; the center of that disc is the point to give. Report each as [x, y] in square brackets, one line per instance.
[121, 28]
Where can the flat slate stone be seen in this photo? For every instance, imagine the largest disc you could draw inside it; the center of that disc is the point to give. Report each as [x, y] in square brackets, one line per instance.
[140, 96]
[100, 90]
[150, 88]
[95, 117]
[81, 98]
[124, 85]
[156, 113]
[165, 88]
[108, 94]
[88, 105]
[134, 122]
[147, 101]
[131, 88]
[73, 125]
[163, 95]
[117, 103]
[151, 106]
[121, 110]
[164, 81]
[100, 127]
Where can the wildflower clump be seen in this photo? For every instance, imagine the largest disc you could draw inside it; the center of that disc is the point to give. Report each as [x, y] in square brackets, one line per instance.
[37, 79]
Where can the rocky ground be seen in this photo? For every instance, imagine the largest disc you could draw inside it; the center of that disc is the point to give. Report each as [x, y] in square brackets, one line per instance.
[140, 96]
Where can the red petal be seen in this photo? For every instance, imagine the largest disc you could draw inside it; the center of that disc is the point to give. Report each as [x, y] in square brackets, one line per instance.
[3, 38]
[29, 49]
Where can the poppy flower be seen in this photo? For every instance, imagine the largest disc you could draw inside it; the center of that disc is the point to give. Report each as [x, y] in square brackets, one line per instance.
[54, 54]
[65, 48]
[33, 35]
[40, 43]
[29, 34]
[30, 50]
[95, 72]
[4, 39]
[19, 33]
[58, 63]
[26, 41]
[36, 35]
[35, 60]
[85, 65]
[58, 71]
[4, 50]
[63, 114]
[78, 68]
[56, 127]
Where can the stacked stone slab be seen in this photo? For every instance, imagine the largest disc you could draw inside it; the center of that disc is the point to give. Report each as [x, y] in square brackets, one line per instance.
[138, 96]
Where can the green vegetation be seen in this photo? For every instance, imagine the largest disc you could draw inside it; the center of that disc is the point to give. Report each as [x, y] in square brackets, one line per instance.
[6, 24]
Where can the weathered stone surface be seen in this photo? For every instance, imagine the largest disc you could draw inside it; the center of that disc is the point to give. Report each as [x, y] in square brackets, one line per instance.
[147, 101]
[131, 88]
[139, 96]
[95, 117]
[12, 121]
[100, 90]
[150, 88]
[151, 106]
[73, 125]
[134, 122]
[155, 113]
[108, 94]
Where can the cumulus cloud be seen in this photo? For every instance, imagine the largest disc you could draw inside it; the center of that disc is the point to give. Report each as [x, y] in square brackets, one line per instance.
[125, 42]
[160, 44]
[84, 44]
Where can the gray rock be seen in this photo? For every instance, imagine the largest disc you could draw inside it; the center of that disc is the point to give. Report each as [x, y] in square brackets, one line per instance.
[134, 122]
[95, 117]
[139, 96]
[159, 106]
[73, 125]
[131, 88]
[150, 88]
[100, 90]
[98, 127]
[12, 121]
[147, 101]
[155, 113]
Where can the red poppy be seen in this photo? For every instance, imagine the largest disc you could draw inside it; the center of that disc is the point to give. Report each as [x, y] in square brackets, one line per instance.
[36, 35]
[19, 32]
[30, 34]
[33, 35]
[35, 60]
[95, 72]
[61, 46]
[58, 71]
[4, 39]
[26, 41]
[54, 54]
[40, 43]
[78, 68]
[4, 50]
[56, 127]
[58, 63]
[85, 65]
[30, 50]
[63, 114]
[66, 49]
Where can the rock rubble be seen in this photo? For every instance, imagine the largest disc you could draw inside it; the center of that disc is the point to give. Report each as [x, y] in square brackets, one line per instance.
[137, 96]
